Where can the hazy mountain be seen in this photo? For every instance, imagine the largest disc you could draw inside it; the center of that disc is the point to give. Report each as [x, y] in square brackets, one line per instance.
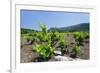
[78, 27]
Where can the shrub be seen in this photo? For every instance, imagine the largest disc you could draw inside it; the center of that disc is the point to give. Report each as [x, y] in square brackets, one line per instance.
[62, 44]
[55, 37]
[44, 50]
[75, 51]
[43, 35]
[79, 37]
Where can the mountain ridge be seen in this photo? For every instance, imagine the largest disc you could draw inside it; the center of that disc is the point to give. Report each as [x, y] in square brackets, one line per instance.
[78, 27]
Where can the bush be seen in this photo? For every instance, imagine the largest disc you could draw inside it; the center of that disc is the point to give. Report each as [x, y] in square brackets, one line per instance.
[79, 37]
[45, 51]
[62, 44]
[75, 51]
[55, 37]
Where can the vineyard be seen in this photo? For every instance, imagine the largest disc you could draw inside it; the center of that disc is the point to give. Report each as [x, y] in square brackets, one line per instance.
[44, 45]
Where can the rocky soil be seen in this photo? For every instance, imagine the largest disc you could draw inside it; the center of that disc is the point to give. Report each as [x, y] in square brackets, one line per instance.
[28, 55]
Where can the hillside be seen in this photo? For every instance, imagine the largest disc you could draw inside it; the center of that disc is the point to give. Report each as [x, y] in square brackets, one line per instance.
[78, 27]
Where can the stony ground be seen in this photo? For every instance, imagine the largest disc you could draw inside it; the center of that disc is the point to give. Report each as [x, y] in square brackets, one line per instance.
[28, 55]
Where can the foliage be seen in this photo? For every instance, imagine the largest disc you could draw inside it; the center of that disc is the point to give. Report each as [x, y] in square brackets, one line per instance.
[79, 37]
[86, 35]
[25, 31]
[28, 37]
[43, 29]
[43, 35]
[48, 41]
[44, 50]
[75, 51]
[62, 42]
[54, 37]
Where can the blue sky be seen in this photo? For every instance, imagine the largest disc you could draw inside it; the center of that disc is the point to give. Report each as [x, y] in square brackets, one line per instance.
[30, 19]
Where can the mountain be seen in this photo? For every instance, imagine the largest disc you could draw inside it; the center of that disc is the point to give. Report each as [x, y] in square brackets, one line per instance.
[78, 27]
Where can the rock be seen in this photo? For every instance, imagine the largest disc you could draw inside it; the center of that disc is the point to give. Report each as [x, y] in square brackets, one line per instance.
[63, 58]
[77, 59]
[57, 52]
[30, 42]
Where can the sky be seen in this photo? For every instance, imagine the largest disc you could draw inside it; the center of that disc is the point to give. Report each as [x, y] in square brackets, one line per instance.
[30, 19]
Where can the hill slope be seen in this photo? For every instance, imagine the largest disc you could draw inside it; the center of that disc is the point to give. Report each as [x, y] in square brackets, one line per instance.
[78, 27]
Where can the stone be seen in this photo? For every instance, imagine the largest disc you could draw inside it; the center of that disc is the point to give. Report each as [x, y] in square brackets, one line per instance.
[63, 58]
[57, 52]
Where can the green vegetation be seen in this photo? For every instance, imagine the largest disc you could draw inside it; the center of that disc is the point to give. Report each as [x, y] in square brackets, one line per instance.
[44, 50]
[62, 44]
[75, 51]
[55, 37]
[46, 42]
[79, 37]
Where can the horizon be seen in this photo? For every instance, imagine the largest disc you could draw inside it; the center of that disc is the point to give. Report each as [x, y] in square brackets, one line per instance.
[53, 27]
[30, 19]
